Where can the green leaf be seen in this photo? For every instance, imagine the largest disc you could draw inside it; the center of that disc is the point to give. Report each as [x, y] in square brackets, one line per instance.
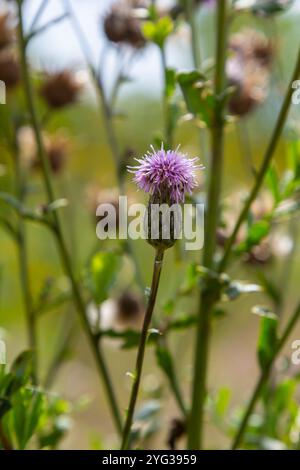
[165, 362]
[269, 287]
[267, 341]
[237, 288]
[271, 7]
[158, 31]
[20, 373]
[27, 410]
[170, 76]
[256, 233]
[183, 322]
[222, 401]
[21, 368]
[145, 421]
[198, 95]
[103, 270]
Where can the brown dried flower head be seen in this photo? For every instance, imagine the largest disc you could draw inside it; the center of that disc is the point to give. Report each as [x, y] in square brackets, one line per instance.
[10, 72]
[61, 89]
[56, 148]
[250, 92]
[248, 70]
[176, 431]
[120, 314]
[250, 44]
[6, 31]
[130, 310]
[122, 25]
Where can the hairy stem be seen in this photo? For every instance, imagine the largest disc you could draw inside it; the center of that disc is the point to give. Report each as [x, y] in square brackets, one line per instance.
[263, 378]
[65, 258]
[141, 349]
[195, 425]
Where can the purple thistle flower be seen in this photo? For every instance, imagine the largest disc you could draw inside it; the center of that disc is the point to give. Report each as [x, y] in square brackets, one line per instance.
[168, 174]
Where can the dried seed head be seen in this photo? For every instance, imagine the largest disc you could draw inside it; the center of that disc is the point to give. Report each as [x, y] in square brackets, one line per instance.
[176, 431]
[260, 254]
[125, 312]
[122, 25]
[250, 92]
[6, 31]
[250, 44]
[248, 70]
[60, 89]
[10, 72]
[130, 310]
[55, 147]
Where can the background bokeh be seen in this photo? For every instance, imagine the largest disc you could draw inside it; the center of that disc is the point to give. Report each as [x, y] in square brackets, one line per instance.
[232, 361]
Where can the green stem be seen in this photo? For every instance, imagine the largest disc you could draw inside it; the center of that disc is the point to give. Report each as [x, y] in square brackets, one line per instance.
[23, 265]
[168, 128]
[265, 164]
[192, 19]
[66, 262]
[195, 425]
[141, 349]
[263, 378]
[173, 381]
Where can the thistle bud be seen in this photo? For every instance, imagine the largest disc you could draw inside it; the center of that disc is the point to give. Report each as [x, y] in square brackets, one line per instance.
[167, 176]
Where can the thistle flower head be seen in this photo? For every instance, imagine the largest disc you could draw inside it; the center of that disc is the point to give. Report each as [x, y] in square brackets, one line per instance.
[167, 174]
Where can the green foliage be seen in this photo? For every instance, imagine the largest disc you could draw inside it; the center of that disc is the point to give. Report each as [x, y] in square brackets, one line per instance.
[256, 233]
[102, 273]
[267, 341]
[198, 95]
[145, 422]
[158, 30]
[27, 412]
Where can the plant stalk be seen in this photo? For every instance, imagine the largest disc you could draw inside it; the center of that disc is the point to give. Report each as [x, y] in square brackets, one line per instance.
[24, 270]
[141, 349]
[196, 418]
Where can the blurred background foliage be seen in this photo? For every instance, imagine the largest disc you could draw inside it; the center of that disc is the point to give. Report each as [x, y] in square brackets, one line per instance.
[89, 167]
